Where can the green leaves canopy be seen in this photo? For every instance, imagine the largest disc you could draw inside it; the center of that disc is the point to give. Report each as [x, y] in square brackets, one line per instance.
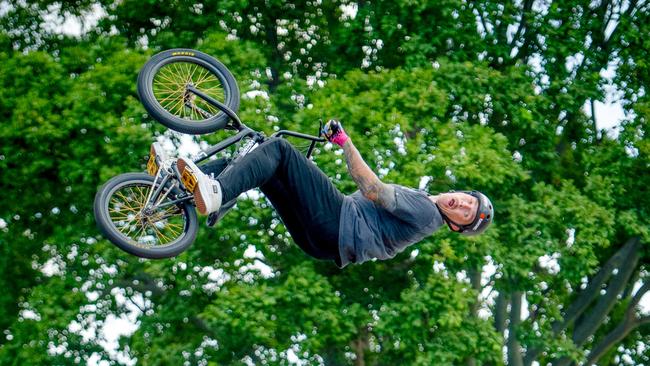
[455, 94]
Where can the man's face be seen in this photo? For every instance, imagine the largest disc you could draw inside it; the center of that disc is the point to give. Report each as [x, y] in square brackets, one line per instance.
[458, 207]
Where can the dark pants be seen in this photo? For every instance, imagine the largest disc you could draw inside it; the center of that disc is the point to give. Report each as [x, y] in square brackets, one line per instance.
[308, 203]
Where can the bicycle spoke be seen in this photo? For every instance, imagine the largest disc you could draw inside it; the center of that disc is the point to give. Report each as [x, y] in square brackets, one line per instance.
[128, 208]
[142, 229]
[167, 239]
[177, 105]
[119, 217]
[142, 198]
[172, 226]
[168, 76]
[162, 226]
[174, 232]
[164, 215]
[126, 226]
[170, 84]
[212, 85]
[177, 71]
[182, 72]
[203, 78]
[170, 99]
[157, 233]
[192, 70]
[124, 209]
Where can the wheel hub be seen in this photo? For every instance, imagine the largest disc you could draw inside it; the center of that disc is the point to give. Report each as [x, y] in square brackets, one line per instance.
[188, 97]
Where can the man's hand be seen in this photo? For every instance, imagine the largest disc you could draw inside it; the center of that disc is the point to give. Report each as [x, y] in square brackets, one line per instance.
[334, 133]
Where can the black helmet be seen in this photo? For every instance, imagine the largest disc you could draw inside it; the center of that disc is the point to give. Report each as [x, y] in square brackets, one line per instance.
[483, 218]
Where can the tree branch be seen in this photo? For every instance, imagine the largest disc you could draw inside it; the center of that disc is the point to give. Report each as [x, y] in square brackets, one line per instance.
[639, 294]
[610, 339]
[615, 31]
[630, 286]
[592, 321]
[593, 118]
[586, 297]
[629, 323]
[202, 325]
[136, 305]
[482, 18]
[501, 28]
[643, 320]
[593, 288]
[609, 16]
[276, 56]
[528, 5]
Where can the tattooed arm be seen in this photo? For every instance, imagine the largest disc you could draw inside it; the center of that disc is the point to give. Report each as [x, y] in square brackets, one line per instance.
[367, 181]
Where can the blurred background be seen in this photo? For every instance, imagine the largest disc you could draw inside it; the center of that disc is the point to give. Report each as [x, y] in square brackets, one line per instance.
[542, 104]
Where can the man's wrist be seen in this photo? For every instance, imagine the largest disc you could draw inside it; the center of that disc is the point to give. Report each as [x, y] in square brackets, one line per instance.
[341, 138]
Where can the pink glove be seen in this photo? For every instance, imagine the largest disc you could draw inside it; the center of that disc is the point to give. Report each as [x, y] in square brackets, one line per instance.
[334, 132]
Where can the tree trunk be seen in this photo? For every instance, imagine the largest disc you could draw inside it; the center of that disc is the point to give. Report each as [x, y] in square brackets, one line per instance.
[588, 326]
[475, 281]
[609, 341]
[359, 346]
[500, 311]
[514, 348]
[276, 57]
[629, 323]
[593, 288]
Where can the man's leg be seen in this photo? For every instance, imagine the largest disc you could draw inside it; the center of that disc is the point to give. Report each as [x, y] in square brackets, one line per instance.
[306, 200]
[320, 244]
[214, 167]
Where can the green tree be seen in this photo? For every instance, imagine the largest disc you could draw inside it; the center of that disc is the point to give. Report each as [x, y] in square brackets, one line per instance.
[501, 110]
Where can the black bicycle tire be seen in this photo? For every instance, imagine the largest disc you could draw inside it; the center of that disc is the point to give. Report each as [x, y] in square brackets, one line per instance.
[148, 100]
[104, 223]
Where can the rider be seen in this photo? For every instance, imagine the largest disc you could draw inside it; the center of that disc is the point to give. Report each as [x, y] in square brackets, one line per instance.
[378, 221]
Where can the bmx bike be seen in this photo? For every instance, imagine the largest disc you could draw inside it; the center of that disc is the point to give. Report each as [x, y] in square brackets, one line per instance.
[153, 214]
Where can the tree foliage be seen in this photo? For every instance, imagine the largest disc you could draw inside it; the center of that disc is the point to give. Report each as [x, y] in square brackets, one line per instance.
[494, 96]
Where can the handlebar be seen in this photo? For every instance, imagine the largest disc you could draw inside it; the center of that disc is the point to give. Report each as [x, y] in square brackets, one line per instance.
[244, 131]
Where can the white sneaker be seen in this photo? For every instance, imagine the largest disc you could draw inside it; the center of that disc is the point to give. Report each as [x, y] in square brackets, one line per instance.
[207, 191]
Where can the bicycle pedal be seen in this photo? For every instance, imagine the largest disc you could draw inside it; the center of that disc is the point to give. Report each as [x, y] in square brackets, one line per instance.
[214, 217]
[152, 164]
[188, 179]
[156, 156]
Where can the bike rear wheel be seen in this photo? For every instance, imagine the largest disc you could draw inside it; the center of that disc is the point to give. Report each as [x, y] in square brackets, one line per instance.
[164, 87]
[163, 231]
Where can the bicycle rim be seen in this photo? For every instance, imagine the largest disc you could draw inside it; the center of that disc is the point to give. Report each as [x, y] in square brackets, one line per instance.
[157, 227]
[170, 90]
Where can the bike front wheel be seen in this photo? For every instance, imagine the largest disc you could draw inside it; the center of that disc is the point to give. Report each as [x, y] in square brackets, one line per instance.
[162, 229]
[166, 83]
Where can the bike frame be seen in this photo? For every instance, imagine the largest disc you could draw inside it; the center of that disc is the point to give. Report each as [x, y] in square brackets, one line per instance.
[243, 132]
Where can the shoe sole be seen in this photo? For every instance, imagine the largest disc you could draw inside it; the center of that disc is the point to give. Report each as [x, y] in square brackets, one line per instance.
[186, 171]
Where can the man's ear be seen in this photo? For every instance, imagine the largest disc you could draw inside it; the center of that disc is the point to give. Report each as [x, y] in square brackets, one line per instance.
[454, 227]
